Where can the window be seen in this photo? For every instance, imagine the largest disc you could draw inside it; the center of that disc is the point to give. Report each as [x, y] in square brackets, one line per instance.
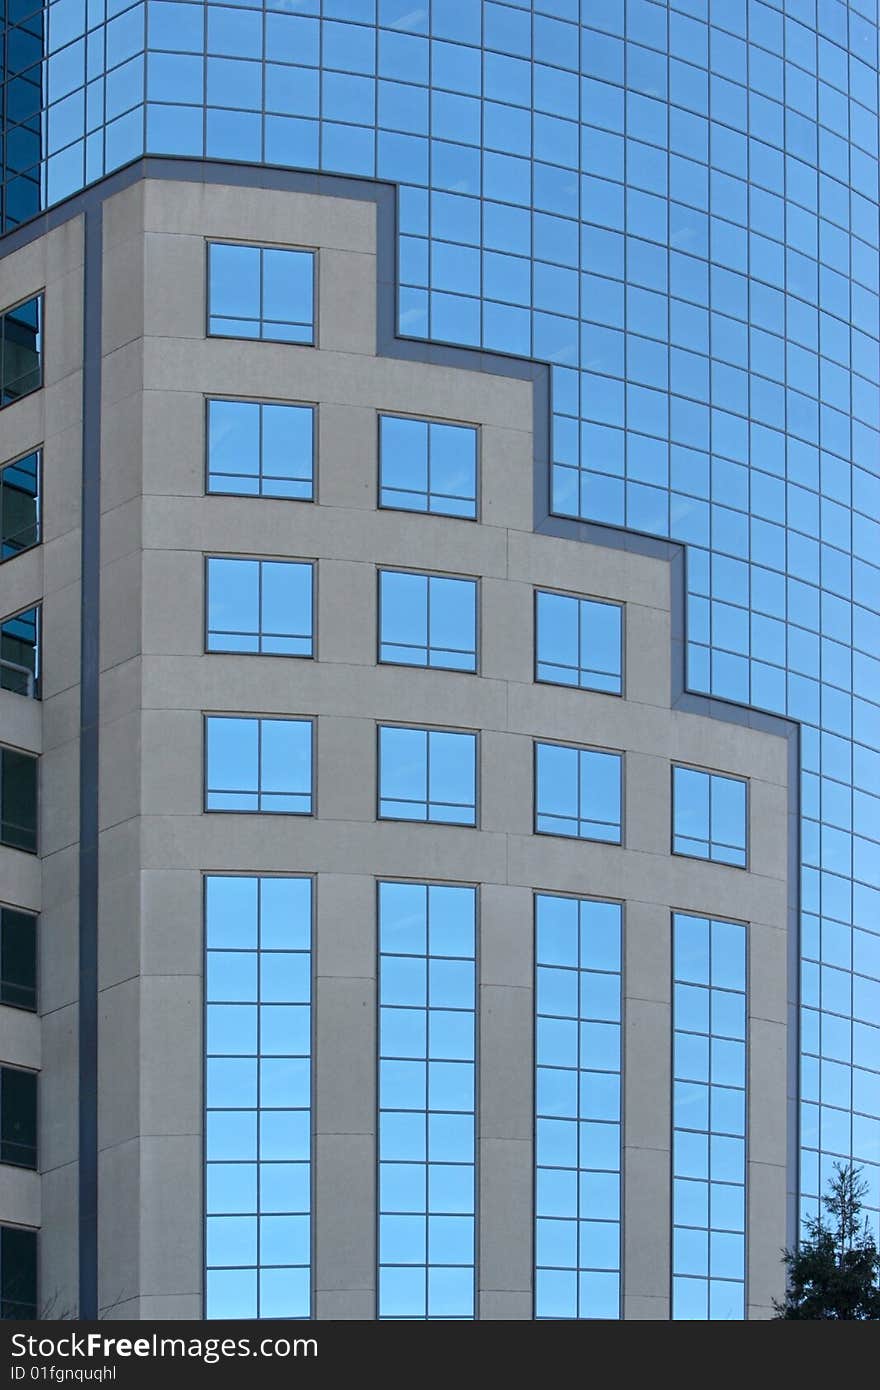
[425, 466]
[19, 505]
[18, 1273]
[260, 606]
[578, 792]
[708, 1142]
[261, 450]
[18, 958]
[578, 642]
[427, 620]
[709, 816]
[18, 1117]
[21, 350]
[427, 774]
[18, 799]
[261, 292]
[258, 934]
[578, 1107]
[20, 653]
[259, 765]
[427, 1028]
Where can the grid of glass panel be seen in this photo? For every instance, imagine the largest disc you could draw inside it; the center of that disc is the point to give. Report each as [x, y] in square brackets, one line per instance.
[427, 774]
[578, 792]
[677, 205]
[261, 292]
[578, 641]
[261, 606]
[709, 816]
[18, 799]
[426, 466]
[20, 653]
[709, 1127]
[256, 764]
[257, 449]
[427, 1106]
[427, 620]
[21, 350]
[258, 935]
[18, 958]
[578, 1107]
[18, 1117]
[19, 505]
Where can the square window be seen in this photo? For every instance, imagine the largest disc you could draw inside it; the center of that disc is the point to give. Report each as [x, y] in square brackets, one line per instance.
[263, 606]
[578, 642]
[261, 449]
[261, 292]
[19, 505]
[709, 816]
[427, 620]
[255, 764]
[20, 653]
[578, 792]
[427, 775]
[427, 466]
[21, 350]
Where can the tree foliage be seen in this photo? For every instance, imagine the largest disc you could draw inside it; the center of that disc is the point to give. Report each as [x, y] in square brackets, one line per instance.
[835, 1271]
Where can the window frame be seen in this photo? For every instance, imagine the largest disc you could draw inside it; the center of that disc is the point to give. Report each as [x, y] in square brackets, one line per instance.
[429, 575]
[432, 420]
[309, 719]
[37, 451]
[620, 604]
[578, 748]
[428, 729]
[259, 560]
[260, 496]
[708, 859]
[261, 246]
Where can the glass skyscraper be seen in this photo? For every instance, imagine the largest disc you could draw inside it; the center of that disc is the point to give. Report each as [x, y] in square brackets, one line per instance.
[676, 205]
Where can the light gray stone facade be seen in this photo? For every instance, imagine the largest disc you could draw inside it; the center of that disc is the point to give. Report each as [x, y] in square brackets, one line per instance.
[156, 367]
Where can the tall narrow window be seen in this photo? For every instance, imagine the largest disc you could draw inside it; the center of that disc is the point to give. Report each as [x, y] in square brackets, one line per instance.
[577, 1246]
[18, 1273]
[427, 1024]
[709, 1160]
[427, 466]
[21, 350]
[18, 799]
[260, 606]
[18, 1117]
[258, 934]
[261, 292]
[20, 653]
[19, 505]
[258, 449]
[18, 958]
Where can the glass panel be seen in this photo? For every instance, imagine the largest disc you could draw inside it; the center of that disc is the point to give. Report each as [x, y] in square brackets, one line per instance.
[709, 816]
[258, 765]
[18, 799]
[18, 958]
[20, 653]
[260, 606]
[18, 1117]
[578, 792]
[21, 350]
[258, 1099]
[427, 774]
[260, 291]
[19, 505]
[578, 642]
[427, 466]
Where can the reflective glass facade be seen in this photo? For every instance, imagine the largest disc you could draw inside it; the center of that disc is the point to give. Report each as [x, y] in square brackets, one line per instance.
[258, 934]
[677, 205]
[578, 1107]
[427, 1101]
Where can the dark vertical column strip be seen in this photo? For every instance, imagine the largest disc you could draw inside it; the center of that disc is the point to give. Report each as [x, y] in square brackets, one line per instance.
[88, 768]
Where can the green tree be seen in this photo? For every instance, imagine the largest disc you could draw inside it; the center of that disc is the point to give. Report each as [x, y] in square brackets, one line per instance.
[835, 1271]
